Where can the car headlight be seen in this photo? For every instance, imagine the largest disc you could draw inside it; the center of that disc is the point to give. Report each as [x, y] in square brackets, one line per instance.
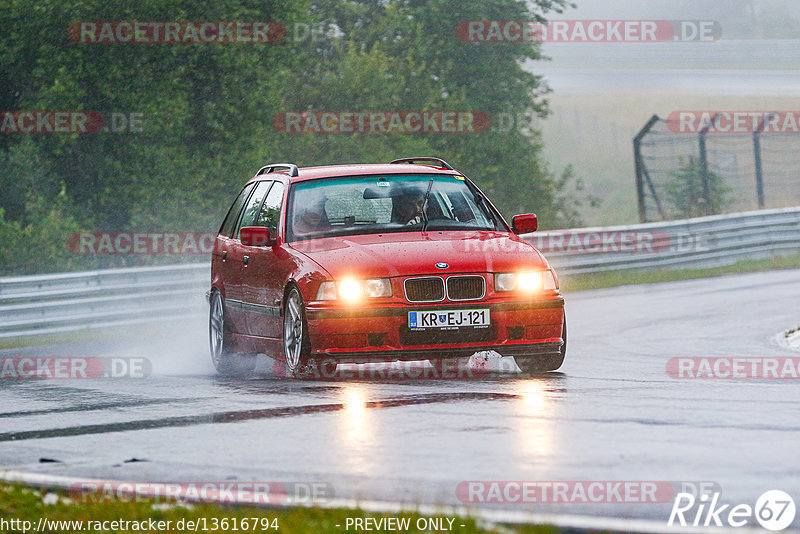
[525, 281]
[378, 287]
[327, 291]
[351, 290]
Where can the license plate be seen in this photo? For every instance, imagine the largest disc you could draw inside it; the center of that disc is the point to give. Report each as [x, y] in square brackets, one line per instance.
[418, 320]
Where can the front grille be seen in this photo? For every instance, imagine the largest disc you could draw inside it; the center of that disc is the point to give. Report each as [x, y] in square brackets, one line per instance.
[428, 289]
[465, 287]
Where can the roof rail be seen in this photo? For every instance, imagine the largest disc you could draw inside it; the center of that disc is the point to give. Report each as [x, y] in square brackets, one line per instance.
[266, 169]
[442, 163]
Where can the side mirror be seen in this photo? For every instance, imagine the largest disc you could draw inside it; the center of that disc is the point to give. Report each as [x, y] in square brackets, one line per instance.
[524, 224]
[257, 236]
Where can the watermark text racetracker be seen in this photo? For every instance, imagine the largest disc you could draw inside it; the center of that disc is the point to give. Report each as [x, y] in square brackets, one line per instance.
[199, 32]
[73, 368]
[141, 242]
[442, 368]
[733, 368]
[259, 493]
[588, 31]
[734, 122]
[385, 122]
[70, 122]
[577, 491]
[175, 32]
[596, 242]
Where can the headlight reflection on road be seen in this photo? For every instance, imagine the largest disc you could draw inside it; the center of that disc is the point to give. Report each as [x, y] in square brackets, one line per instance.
[532, 394]
[536, 411]
[356, 432]
[355, 403]
[357, 419]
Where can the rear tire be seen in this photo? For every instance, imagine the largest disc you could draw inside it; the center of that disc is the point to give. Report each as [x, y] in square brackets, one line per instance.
[542, 363]
[225, 361]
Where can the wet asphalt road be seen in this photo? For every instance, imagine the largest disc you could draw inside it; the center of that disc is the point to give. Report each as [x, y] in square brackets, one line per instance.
[611, 413]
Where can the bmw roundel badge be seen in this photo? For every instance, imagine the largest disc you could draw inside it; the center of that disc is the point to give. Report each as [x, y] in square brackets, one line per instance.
[441, 265]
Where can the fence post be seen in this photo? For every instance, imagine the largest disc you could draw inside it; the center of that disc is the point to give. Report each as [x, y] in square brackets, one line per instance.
[757, 154]
[704, 174]
[759, 171]
[704, 165]
[639, 164]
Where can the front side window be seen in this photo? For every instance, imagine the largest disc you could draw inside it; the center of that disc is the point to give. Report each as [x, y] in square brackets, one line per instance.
[270, 212]
[253, 206]
[390, 203]
[227, 226]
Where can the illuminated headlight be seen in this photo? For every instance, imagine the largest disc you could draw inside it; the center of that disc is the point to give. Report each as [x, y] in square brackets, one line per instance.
[354, 289]
[349, 290]
[529, 281]
[525, 281]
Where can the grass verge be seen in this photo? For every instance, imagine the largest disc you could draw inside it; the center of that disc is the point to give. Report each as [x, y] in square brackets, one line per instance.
[620, 278]
[20, 504]
[115, 333]
[66, 337]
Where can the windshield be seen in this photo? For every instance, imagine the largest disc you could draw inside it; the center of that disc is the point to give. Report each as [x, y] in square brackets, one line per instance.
[391, 203]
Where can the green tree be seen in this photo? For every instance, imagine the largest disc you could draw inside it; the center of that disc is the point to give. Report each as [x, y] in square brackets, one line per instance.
[686, 191]
[207, 109]
[202, 105]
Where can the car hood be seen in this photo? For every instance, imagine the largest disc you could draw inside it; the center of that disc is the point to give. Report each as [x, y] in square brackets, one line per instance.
[416, 253]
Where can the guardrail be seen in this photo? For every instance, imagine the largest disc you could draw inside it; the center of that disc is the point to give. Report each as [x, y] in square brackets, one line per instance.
[690, 243]
[54, 303]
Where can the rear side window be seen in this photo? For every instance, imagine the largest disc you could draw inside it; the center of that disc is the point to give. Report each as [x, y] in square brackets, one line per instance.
[233, 214]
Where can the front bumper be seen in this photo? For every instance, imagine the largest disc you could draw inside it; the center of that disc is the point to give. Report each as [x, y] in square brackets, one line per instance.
[518, 327]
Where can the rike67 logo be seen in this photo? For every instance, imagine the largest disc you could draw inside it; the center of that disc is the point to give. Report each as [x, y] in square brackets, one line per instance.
[774, 510]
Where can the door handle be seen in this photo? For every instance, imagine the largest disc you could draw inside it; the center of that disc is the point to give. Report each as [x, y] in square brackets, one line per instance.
[245, 259]
[224, 255]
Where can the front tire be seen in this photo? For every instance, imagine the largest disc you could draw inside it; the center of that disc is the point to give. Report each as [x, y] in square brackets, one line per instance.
[225, 361]
[542, 363]
[296, 346]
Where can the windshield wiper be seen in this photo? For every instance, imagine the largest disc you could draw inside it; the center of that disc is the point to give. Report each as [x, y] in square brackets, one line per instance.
[425, 205]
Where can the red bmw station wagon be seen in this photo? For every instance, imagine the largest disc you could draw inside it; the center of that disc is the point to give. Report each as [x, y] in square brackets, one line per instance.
[380, 262]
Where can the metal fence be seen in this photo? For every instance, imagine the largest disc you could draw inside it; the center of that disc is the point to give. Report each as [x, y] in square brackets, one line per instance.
[701, 167]
[46, 304]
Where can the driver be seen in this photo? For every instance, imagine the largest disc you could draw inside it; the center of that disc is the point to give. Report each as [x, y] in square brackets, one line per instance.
[408, 206]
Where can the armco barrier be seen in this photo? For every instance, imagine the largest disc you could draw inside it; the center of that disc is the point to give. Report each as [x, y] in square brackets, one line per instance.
[690, 243]
[53, 303]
